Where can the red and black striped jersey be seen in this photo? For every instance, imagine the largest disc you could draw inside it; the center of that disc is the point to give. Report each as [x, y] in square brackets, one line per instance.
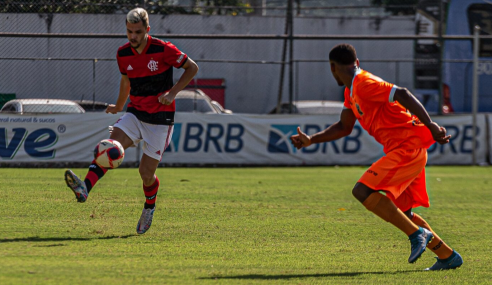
[151, 75]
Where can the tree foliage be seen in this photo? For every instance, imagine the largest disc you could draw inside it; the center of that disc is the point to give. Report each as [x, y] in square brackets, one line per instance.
[120, 6]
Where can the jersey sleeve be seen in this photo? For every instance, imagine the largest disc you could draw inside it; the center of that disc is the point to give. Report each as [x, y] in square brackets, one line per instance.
[376, 91]
[173, 56]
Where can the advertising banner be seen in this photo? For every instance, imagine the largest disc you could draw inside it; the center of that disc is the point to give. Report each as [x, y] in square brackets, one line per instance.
[264, 140]
[204, 139]
[459, 148]
[52, 138]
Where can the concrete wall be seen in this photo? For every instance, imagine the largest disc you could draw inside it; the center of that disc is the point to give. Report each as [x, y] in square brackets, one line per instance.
[250, 88]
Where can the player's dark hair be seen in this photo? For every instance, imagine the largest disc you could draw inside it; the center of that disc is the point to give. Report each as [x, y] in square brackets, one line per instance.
[343, 54]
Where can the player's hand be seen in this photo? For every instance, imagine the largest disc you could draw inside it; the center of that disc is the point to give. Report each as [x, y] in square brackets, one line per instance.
[112, 109]
[301, 139]
[166, 98]
[439, 133]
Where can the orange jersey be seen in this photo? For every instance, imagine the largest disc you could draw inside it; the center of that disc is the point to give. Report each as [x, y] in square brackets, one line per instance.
[371, 100]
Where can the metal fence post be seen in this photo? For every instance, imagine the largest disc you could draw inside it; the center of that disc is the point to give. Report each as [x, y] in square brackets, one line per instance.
[94, 82]
[291, 55]
[296, 80]
[476, 44]
[282, 67]
[439, 60]
[397, 71]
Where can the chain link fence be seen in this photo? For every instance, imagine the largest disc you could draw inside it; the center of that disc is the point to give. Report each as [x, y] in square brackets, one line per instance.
[67, 50]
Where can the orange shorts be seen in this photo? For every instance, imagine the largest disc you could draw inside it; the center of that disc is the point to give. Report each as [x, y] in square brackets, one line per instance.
[401, 174]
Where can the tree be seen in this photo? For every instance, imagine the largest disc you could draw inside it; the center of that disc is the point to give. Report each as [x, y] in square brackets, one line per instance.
[113, 6]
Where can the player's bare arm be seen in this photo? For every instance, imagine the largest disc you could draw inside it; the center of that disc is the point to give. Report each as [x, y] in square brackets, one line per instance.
[191, 68]
[122, 97]
[407, 100]
[338, 130]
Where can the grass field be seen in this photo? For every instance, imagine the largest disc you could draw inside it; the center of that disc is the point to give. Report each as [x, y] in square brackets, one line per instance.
[234, 226]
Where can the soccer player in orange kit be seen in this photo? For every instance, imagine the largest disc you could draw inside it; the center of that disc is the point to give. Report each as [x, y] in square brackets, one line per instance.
[385, 111]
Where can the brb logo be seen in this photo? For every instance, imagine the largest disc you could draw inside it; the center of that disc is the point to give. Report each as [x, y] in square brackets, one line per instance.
[35, 143]
[279, 138]
[196, 137]
[461, 140]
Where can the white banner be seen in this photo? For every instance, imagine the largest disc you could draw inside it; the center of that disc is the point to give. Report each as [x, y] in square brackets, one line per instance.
[56, 138]
[459, 148]
[222, 139]
[263, 140]
[489, 135]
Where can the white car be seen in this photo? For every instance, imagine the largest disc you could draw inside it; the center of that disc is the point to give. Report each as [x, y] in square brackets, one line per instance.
[197, 101]
[311, 107]
[42, 106]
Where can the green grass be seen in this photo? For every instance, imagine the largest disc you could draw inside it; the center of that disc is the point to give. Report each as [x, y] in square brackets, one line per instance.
[234, 226]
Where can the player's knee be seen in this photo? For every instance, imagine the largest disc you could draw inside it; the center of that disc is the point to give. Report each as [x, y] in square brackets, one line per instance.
[146, 176]
[120, 136]
[361, 192]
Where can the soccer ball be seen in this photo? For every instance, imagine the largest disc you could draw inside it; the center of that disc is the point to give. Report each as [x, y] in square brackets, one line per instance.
[109, 153]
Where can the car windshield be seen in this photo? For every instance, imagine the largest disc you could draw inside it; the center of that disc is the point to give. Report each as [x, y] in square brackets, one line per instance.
[192, 105]
[50, 108]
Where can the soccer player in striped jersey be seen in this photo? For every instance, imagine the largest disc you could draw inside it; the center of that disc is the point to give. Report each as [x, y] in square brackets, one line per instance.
[146, 65]
[397, 120]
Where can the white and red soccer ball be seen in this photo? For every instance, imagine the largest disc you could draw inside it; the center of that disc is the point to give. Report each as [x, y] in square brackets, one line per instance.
[109, 153]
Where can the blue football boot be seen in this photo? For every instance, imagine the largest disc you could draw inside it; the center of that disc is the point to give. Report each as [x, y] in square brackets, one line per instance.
[419, 241]
[452, 262]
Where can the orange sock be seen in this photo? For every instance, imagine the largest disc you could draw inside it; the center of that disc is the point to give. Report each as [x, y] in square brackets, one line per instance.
[437, 245]
[384, 208]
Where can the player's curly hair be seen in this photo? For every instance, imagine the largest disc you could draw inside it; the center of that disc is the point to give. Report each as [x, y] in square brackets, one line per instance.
[343, 54]
[138, 15]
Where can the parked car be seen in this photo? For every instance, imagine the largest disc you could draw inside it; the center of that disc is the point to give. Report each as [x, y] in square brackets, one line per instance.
[92, 106]
[197, 101]
[311, 107]
[219, 108]
[42, 106]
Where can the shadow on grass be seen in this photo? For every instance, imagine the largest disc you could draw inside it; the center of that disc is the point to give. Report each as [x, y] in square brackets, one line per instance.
[50, 245]
[290, 276]
[39, 239]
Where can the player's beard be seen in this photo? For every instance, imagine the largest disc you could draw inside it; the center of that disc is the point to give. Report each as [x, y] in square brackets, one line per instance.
[135, 46]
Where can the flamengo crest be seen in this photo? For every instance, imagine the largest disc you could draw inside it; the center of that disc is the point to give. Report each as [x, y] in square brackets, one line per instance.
[152, 65]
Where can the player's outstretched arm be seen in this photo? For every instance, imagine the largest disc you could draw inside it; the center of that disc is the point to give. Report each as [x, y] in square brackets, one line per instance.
[122, 97]
[191, 68]
[407, 100]
[338, 130]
